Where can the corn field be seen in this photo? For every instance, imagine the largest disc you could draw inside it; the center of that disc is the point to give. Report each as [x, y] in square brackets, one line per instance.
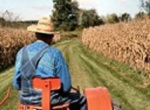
[11, 40]
[125, 42]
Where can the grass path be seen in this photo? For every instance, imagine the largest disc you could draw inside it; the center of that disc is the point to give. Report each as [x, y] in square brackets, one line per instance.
[89, 69]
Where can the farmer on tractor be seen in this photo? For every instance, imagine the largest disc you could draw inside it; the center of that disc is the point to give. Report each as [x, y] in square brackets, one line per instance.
[40, 59]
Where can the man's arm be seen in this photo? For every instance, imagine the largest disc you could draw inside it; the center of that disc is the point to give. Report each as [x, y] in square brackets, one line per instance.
[62, 71]
[16, 83]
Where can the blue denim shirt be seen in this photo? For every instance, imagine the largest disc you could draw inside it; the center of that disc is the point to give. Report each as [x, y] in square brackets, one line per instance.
[52, 64]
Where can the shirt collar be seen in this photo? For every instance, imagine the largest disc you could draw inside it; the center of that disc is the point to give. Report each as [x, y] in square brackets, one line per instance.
[41, 42]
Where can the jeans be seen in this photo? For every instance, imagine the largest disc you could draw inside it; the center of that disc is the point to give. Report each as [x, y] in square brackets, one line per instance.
[76, 100]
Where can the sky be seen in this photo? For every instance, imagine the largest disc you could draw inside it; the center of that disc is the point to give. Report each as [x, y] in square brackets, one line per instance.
[35, 9]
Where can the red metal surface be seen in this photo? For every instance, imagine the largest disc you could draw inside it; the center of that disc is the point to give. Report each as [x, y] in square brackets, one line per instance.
[46, 85]
[6, 97]
[39, 83]
[28, 107]
[98, 99]
[61, 107]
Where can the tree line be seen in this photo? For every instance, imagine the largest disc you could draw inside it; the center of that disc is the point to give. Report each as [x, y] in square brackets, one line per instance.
[9, 19]
[67, 16]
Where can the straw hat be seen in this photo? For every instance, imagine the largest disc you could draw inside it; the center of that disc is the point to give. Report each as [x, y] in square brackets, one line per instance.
[44, 25]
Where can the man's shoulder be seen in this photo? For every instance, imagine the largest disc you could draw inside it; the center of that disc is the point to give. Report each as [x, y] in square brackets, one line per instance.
[51, 50]
[54, 50]
[20, 51]
[52, 53]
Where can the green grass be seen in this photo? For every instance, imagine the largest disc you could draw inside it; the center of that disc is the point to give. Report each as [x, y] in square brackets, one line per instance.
[90, 69]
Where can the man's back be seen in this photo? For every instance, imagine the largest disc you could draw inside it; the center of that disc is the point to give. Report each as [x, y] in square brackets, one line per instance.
[50, 65]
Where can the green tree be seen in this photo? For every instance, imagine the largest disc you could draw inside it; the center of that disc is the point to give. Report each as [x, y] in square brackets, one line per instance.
[145, 4]
[140, 15]
[112, 18]
[90, 18]
[65, 15]
[125, 17]
[2, 21]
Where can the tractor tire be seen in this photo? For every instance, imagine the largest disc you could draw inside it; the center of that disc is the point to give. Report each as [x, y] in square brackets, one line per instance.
[116, 105]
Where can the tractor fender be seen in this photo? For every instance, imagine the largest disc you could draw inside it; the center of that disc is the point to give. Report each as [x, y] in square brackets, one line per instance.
[98, 98]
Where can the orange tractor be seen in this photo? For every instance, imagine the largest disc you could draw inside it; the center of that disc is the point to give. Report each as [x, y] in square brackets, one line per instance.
[97, 98]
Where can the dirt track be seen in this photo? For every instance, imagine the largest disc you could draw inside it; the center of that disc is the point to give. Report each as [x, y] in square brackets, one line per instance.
[89, 69]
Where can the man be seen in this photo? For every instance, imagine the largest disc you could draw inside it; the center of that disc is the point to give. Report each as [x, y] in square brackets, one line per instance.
[42, 60]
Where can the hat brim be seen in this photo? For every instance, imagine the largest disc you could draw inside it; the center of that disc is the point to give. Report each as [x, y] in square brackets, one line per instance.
[33, 28]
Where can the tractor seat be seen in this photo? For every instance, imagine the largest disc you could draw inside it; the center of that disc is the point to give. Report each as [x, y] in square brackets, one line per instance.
[46, 85]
